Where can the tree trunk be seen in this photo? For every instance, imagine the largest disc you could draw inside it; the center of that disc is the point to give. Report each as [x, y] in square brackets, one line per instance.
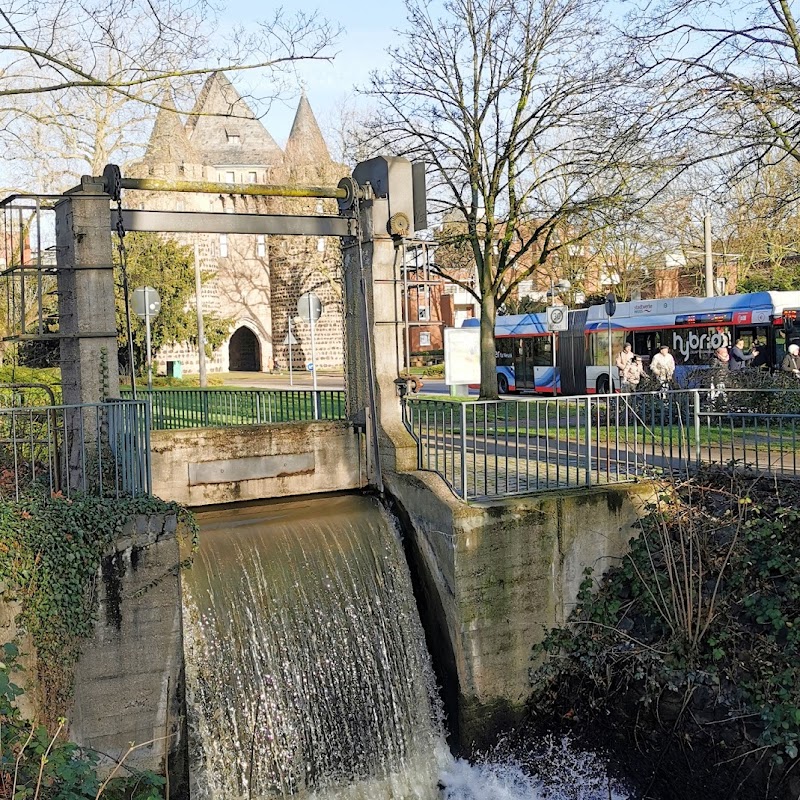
[488, 348]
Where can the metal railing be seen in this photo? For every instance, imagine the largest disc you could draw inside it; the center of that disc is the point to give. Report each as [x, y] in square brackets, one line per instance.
[175, 409]
[486, 449]
[99, 448]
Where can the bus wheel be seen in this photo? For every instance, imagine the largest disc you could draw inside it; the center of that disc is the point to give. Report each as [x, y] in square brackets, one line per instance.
[502, 384]
[602, 384]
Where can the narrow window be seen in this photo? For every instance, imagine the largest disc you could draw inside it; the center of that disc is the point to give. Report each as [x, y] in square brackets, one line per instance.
[424, 339]
[233, 138]
[261, 245]
[230, 177]
[223, 245]
[253, 177]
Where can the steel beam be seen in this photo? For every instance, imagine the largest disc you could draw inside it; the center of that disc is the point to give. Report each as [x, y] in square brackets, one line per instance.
[214, 187]
[209, 222]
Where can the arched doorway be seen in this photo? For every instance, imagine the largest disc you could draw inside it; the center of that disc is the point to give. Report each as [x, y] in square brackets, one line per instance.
[244, 352]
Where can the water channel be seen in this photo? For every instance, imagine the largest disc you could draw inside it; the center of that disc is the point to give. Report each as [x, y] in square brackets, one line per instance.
[308, 675]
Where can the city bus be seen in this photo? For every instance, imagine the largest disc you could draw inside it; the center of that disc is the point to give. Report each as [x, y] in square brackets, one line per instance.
[692, 327]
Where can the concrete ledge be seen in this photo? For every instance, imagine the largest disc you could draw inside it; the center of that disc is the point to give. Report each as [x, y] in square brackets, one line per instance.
[493, 577]
[209, 466]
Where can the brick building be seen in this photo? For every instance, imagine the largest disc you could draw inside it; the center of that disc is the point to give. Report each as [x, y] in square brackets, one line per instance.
[255, 280]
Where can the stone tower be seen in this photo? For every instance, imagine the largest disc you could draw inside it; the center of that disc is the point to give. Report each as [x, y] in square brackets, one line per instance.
[256, 280]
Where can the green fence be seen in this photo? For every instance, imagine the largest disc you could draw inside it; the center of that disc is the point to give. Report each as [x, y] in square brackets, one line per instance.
[175, 409]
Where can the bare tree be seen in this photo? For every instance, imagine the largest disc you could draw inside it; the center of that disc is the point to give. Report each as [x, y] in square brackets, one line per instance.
[729, 73]
[81, 79]
[516, 106]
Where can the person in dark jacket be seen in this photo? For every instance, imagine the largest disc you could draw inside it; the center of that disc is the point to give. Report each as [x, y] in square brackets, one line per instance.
[791, 361]
[738, 359]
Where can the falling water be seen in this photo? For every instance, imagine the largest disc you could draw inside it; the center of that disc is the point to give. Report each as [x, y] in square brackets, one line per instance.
[306, 665]
[308, 677]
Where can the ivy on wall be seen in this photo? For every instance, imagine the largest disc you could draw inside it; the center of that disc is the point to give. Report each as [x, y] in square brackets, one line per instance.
[51, 548]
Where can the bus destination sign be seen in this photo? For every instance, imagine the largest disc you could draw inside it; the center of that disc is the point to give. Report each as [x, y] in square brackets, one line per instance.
[712, 317]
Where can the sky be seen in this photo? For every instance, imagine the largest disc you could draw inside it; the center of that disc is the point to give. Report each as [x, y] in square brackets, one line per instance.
[368, 30]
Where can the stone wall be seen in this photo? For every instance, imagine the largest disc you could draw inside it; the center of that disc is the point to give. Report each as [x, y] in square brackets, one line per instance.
[129, 679]
[492, 577]
[210, 466]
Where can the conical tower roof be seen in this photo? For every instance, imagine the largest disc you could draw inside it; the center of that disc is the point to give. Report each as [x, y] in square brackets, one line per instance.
[224, 131]
[306, 145]
[168, 142]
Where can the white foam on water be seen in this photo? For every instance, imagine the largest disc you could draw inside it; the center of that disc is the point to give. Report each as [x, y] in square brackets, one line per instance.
[553, 770]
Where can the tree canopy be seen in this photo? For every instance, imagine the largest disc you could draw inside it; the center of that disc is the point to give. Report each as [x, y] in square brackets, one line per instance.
[169, 268]
[80, 80]
[532, 133]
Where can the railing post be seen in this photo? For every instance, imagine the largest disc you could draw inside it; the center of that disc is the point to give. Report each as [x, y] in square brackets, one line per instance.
[696, 420]
[588, 441]
[148, 463]
[463, 451]
[204, 406]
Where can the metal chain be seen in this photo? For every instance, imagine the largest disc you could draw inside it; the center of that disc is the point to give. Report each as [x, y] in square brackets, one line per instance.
[123, 263]
[369, 366]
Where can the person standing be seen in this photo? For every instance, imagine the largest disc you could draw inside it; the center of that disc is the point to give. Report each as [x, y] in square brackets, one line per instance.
[720, 365]
[791, 361]
[623, 359]
[663, 365]
[631, 375]
[738, 358]
[720, 362]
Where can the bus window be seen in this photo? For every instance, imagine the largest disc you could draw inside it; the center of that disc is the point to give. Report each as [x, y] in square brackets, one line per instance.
[601, 346]
[792, 327]
[645, 343]
[504, 349]
[541, 351]
[780, 346]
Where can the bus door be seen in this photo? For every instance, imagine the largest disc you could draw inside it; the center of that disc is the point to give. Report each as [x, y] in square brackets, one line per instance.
[762, 338]
[542, 357]
[523, 363]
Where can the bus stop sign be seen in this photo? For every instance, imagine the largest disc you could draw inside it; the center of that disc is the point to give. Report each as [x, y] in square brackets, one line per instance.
[611, 305]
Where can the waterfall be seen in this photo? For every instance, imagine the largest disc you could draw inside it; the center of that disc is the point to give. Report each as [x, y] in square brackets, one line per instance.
[307, 673]
[308, 677]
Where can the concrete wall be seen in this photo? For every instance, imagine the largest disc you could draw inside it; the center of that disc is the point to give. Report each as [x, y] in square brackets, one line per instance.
[129, 679]
[210, 466]
[491, 578]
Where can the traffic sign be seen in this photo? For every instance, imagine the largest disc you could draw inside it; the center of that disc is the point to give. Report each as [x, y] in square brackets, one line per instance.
[146, 300]
[611, 305]
[289, 339]
[310, 366]
[308, 306]
[557, 318]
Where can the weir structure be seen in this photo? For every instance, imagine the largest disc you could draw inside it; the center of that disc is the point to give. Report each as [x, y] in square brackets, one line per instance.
[491, 577]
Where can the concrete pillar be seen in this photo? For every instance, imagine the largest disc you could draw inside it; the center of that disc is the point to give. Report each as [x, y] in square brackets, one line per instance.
[372, 332]
[87, 320]
[87, 325]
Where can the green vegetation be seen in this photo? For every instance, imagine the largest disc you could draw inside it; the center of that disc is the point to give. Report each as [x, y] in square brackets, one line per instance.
[168, 267]
[37, 763]
[49, 376]
[695, 633]
[51, 548]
